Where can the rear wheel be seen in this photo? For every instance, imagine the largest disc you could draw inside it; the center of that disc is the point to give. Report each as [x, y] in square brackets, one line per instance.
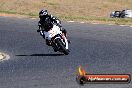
[62, 47]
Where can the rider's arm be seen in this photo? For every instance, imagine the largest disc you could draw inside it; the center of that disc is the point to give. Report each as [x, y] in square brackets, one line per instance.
[40, 26]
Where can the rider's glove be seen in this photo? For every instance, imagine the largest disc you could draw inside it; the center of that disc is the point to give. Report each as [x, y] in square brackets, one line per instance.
[38, 30]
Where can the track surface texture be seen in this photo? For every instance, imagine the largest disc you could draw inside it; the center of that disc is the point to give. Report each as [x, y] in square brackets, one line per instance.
[100, 49]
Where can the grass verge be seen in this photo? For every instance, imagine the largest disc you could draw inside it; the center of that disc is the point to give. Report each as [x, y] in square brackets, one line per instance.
[91, 11]
[87, 19]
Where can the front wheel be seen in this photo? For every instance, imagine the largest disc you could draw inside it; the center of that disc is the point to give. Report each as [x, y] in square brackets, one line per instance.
[62, 47]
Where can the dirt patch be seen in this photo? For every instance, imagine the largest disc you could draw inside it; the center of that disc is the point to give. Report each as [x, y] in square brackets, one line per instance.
[97, 8]
[13, 15]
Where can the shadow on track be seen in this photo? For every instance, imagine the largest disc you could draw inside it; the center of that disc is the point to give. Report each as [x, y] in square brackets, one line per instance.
[42, 55]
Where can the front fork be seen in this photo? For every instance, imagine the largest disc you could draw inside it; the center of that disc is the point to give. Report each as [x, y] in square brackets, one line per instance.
[66, 42]
[54, 46]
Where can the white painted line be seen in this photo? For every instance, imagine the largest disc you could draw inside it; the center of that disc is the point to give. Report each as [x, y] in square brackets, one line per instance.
[33, 18]
[128, 25]
[70, 21]
[123, 25]
[111, 24]
[82, 22]
[98, 23]
[94, 23]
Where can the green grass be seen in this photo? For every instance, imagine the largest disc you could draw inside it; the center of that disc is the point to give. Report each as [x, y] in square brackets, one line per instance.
[88, 19]
[76, 10]
[19, 13]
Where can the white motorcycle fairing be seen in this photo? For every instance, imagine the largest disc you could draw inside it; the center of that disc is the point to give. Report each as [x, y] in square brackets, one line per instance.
[51, 33]
[54, 31]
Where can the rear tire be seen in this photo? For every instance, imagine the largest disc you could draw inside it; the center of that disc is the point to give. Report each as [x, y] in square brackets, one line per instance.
[62, 47]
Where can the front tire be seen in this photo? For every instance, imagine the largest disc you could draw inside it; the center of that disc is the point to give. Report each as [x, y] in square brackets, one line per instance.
[62, 47]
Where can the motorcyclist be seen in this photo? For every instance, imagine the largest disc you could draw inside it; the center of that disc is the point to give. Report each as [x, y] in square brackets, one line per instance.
[122, 14]
[46, 23]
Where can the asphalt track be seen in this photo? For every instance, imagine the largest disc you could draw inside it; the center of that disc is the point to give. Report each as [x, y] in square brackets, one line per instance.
[100, 49]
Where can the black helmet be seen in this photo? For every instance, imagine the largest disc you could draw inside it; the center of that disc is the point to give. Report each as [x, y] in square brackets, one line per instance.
[43, 13]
